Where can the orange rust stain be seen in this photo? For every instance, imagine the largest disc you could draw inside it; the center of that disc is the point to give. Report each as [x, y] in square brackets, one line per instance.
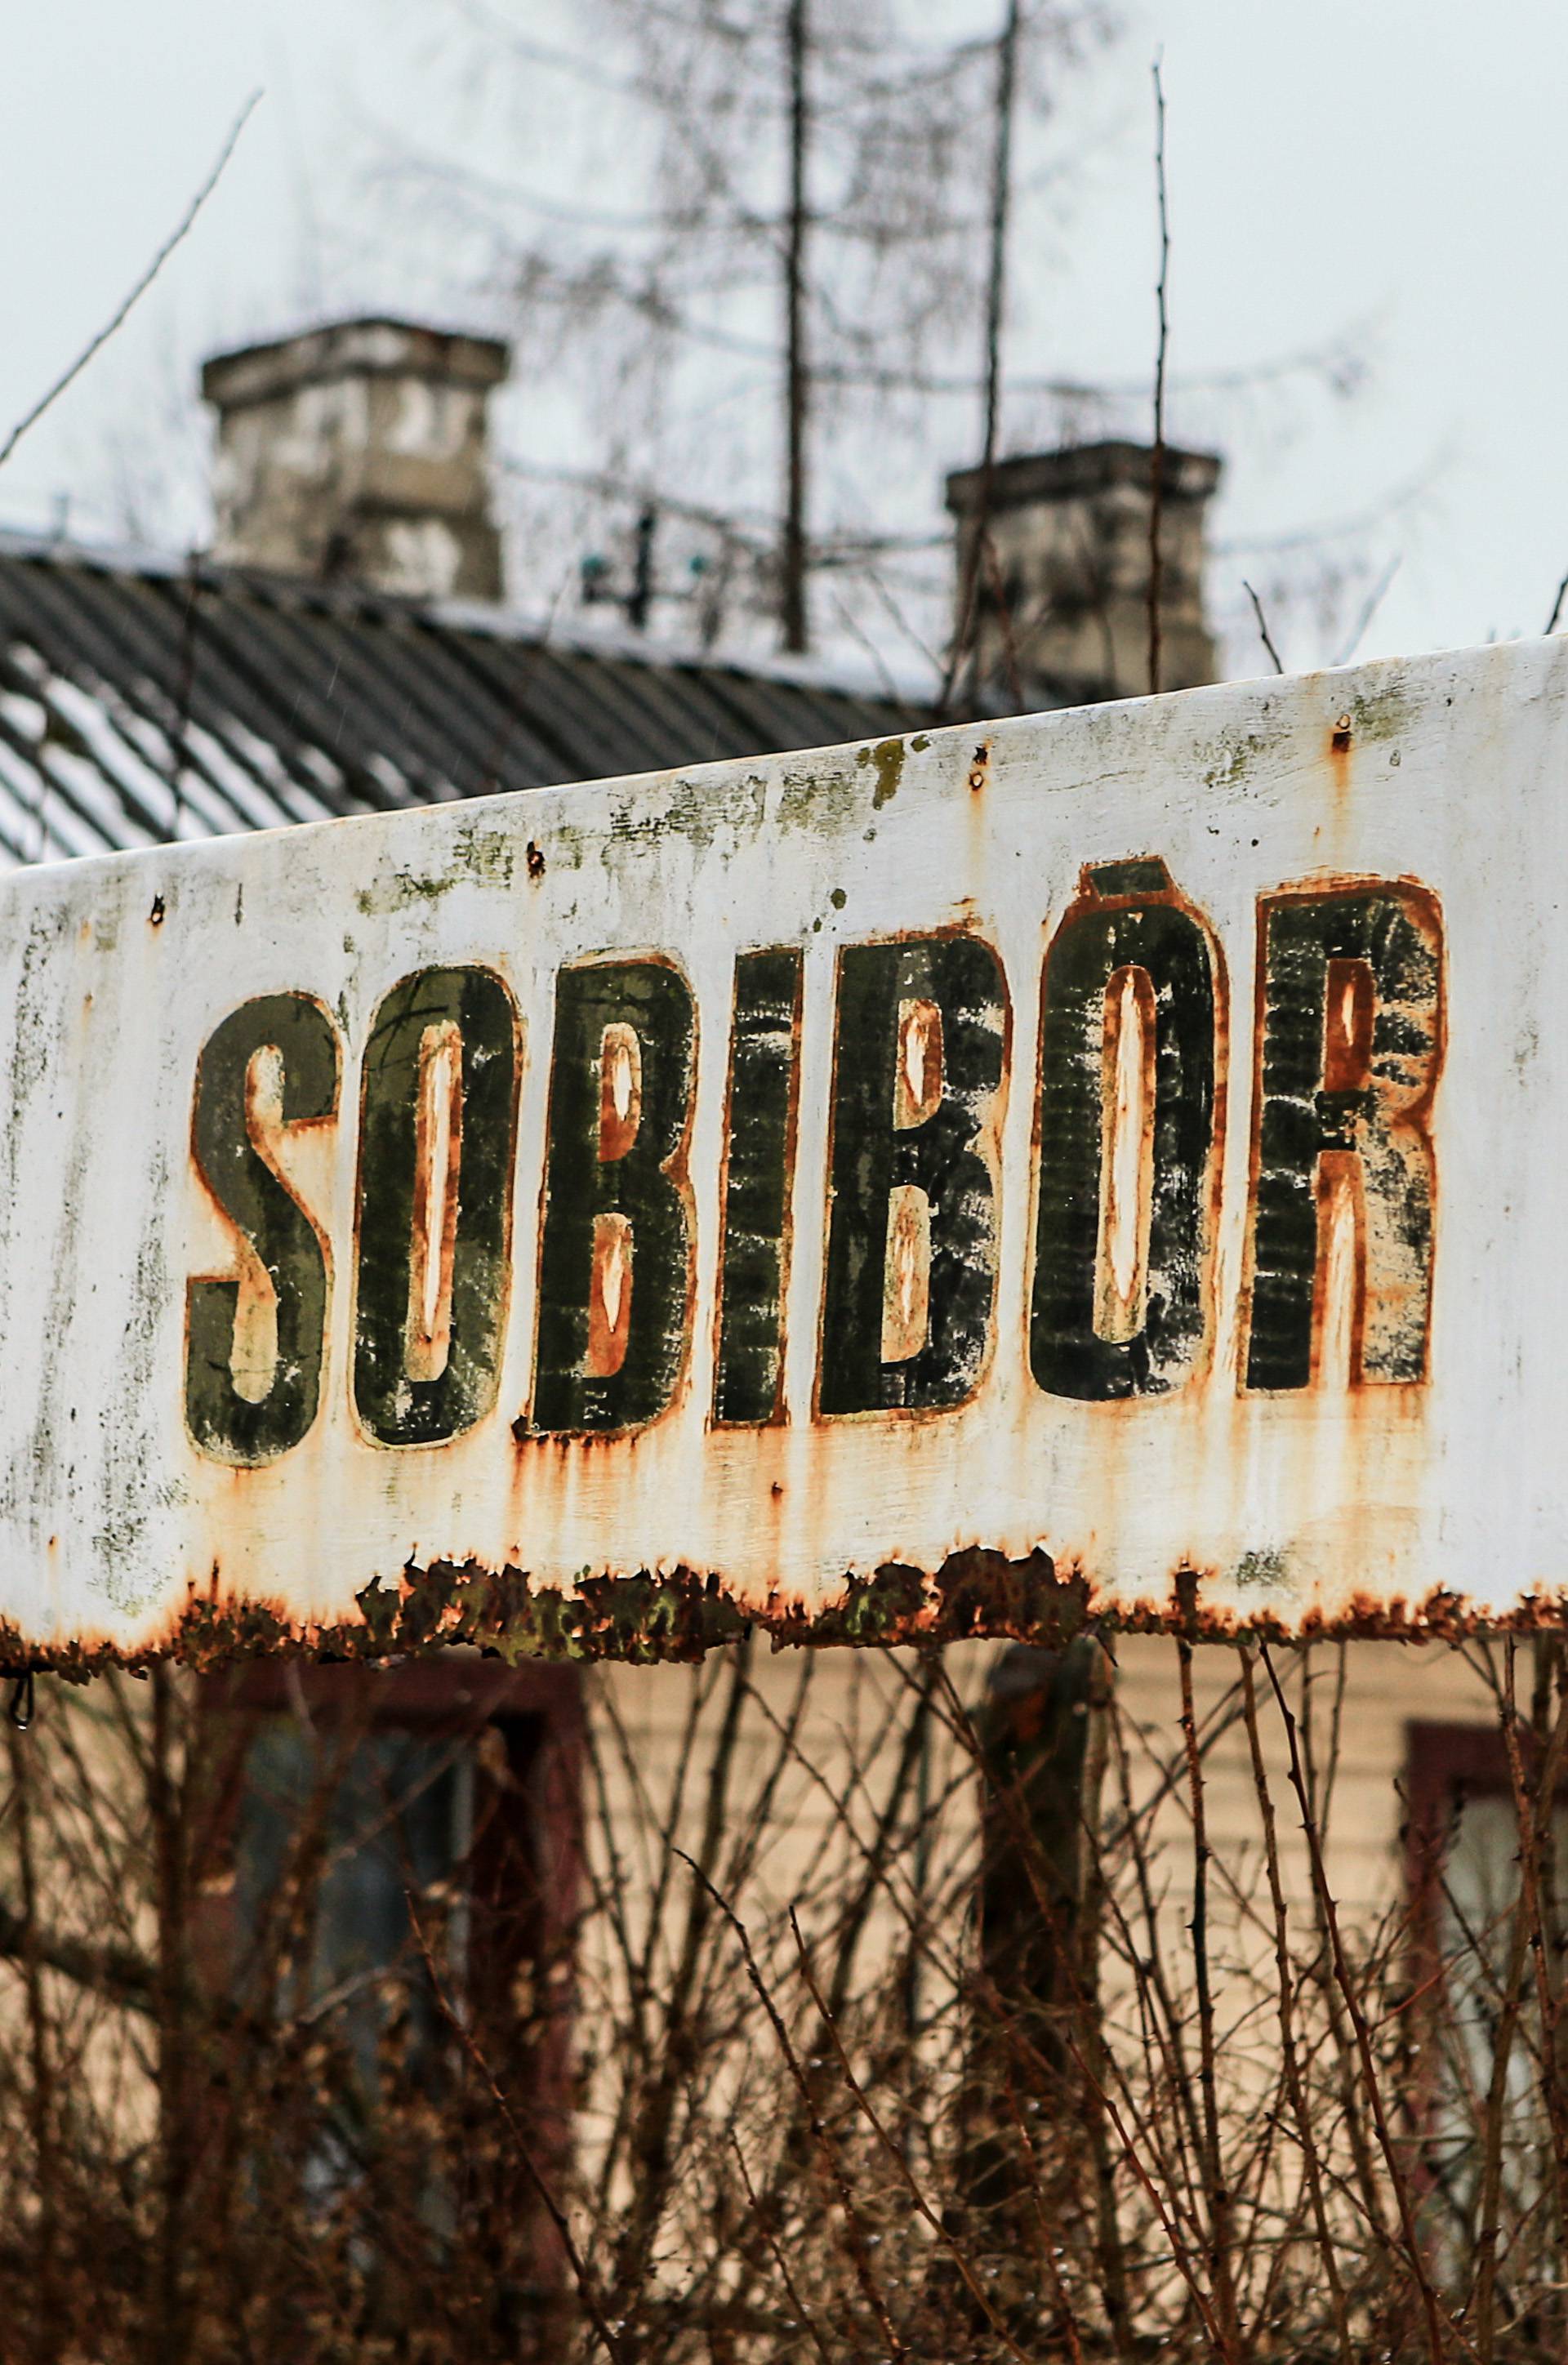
[1126, 1154]
[610, 1295]
[1340, 1306]
[570, 1444]
[438, 1161]
[1339, 1302]
[973, 1594]
[1341, 749]
[253, 1355]
[620, 1090]
[917, 1079]
[1347, 1026]
[906, 1270]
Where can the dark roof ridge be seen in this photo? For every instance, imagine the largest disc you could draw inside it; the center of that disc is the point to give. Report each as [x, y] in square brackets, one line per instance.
[145, 697]
[621, 644]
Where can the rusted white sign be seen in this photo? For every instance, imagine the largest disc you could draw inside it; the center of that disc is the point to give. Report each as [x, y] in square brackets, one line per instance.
[1095, 1160]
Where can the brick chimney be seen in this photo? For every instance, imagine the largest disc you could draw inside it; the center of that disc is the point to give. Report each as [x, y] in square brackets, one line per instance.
[1068, 570]
[357, 453]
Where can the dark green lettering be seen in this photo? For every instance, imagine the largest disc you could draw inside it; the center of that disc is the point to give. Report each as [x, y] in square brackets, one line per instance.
[1121, 1304]
[615, 1264]
[759, 1162]
[252, 1409]
[438, 1129]
[1350, 1035]
[918, 1060]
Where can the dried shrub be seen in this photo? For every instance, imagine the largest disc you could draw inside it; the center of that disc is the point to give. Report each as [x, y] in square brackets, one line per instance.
[906, 2008]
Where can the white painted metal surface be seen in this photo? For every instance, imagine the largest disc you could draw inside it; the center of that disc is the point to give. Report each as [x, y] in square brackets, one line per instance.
[1170, 1407]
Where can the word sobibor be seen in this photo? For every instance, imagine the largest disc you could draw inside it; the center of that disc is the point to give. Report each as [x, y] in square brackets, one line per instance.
[1125, 1180]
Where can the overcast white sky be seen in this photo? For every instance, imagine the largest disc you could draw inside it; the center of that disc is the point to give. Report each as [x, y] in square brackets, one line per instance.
[1399, 167]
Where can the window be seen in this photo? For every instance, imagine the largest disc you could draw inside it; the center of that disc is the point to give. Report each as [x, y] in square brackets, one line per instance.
[402, 1852]
[1464, 1859]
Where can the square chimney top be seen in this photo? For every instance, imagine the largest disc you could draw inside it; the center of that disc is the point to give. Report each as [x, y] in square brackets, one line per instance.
[368, 348]
[1079, 468]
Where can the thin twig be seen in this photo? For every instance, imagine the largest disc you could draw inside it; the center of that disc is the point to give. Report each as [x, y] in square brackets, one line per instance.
[779, 2260]
[860, 2254]
[1216, 2194]
[1262, 625]
[1505, 2028]
[895, 2156]
[1157, 456]
[792, 614]
[1167, 2022]
[1101, 2106]
[1413, 2250]
[41, 2102]
[1535, 1824]
[875, 1875]
[1005, 618]
[1556, 616]
[967, 637]
[1290, 2062]
[653, 2156]
[1336, 1726]
[457, 2022]
[122, 313]
[1129, 2152]
[1370, 607]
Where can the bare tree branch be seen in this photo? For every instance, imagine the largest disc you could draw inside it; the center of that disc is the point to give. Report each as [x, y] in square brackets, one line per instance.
[1157, 456]
[128, 304]
[995, 300]
[1262, 626]
[1370, 607]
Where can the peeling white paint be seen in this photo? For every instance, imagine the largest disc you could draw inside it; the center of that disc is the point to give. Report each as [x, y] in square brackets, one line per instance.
[117, 970]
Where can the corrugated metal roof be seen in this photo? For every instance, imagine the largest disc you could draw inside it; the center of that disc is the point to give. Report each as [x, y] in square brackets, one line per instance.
[141, 701]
